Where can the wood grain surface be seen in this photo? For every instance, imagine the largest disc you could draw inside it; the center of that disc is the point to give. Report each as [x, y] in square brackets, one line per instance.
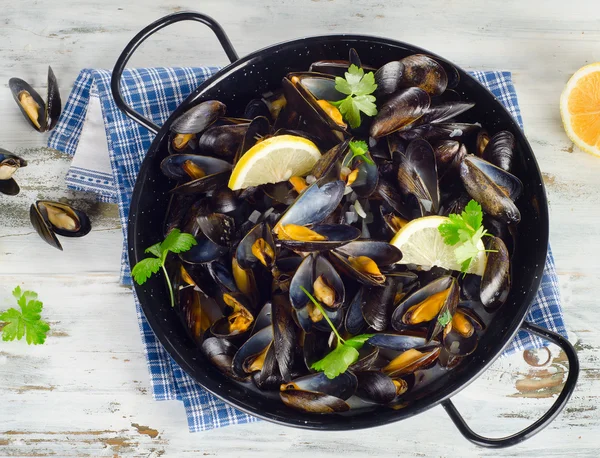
[86, 391]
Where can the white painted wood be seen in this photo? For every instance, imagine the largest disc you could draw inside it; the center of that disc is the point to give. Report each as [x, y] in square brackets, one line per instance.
[86, 391]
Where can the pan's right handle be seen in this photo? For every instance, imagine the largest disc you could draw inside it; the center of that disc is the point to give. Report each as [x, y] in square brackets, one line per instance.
[542, 422]
[141, 37]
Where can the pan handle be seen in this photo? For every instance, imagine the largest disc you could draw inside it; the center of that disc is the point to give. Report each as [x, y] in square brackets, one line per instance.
[542, 422]
[115, 83]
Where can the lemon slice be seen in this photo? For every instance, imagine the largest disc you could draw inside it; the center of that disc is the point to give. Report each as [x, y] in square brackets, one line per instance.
[421, 243]
[580, 108]
[273, 160]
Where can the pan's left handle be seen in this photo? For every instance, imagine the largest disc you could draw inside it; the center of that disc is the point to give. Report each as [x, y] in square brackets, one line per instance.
[542, 422]
[141, 37]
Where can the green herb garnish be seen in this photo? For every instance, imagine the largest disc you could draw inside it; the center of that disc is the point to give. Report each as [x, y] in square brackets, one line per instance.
[465, 231]
[360, 148]
[445, 318]
[346, 352]
[175, 242]
[358, 87]
[27, 321]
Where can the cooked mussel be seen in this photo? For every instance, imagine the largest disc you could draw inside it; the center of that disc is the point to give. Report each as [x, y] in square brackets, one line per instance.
[238, 317]
[418, 176]
[363, 260]
[500, 150]
[9, 164]
[431, 306]
[492, 187]
[198, 118]
[42, 116]
[400, 111]
[317, 276]
[460, 338]
[317, 238]
[376, 387]
[257, 247]
[495, 282]
[220, 353]
[222, 140]
[316, 393]
[198, 173]
[412, 360]
[424, 72]
[50, 218]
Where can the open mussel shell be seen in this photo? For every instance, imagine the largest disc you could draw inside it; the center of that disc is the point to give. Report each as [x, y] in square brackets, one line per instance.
[251, 355]
[339, 67]
[500, 150]
[216, 173]
[263, 319]
[187, 167]
[220, 353]
[316, 275]
[375, 386]
[438, 131]
[365, 182]
[238, 319]
[424, 72]
[400, 111]
[462, 338]
[313, 402]
[9, 164]
[411, 360]
[315, 204]
[482, 181]
[309, 318]
[335, 235]
[367, 359]
[423, 308]
[394, 199]
[198, 312]
[30, 102]
[198, 118]
[495, 282]
[342, 387]
[417, 175]
[222, 140]
[250, 246]
[381, 253]
[50, 218]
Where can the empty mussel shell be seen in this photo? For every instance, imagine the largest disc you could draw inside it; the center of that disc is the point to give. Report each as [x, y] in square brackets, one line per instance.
[375, 386]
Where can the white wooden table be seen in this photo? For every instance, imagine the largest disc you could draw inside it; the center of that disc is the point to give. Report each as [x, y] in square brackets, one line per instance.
[86, 391]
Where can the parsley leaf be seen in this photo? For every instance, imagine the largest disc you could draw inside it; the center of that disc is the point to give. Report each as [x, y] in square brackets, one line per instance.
[465, 231]
[445, 318]
[175, 242]
[337, 361]
[358, 87]
[360, 148]
[344, 355]
[27, 321]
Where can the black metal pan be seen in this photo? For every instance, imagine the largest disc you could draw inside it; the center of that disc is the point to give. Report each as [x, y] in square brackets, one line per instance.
[234, 85]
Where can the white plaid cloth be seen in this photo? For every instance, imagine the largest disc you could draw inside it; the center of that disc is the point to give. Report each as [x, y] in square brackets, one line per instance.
[109, 169]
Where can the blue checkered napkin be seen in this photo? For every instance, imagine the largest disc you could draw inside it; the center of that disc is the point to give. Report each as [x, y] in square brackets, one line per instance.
[156, 92]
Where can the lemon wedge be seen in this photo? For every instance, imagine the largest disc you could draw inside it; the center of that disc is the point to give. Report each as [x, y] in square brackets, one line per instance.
[273, 160]
[422, 244]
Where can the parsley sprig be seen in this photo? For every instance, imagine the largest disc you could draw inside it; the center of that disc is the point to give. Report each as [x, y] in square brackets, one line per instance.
[175, 242]
[27, 321]
[358, 87]
[465, 231]
[360, 148]
[344, 355]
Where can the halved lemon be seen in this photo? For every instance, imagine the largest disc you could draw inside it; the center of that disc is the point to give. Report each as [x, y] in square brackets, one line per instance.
[422, 244]
[273, 160]
[580, 108]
